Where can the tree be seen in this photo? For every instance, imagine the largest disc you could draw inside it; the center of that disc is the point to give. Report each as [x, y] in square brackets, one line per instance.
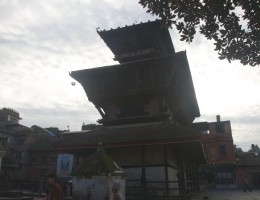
[254, 148]
[91, 126]
[234, 25]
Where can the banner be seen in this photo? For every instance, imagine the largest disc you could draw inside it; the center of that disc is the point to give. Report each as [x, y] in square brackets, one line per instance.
[64, 165]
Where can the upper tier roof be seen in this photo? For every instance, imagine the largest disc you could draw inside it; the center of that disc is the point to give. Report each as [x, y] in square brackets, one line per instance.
[137, 42]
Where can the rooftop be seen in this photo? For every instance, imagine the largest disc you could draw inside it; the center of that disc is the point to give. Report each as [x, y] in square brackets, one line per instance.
[138, 41]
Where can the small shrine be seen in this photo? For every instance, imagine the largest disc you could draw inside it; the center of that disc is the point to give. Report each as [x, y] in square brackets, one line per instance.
[98, 177]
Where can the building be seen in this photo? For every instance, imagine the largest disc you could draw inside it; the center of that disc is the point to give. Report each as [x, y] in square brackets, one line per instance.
[147, 104]
[9, 116]
[219, 149]
[17, 140]
[248, 165]
[2, 154]
[43, 158]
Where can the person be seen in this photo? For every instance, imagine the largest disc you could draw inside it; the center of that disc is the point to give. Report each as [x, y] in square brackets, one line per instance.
[35, 186]
[246, 185]
[115, 191]
[47, 197]
[40, 189]
[55, 188]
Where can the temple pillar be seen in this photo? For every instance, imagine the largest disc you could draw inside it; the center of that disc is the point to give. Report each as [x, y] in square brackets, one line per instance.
[2, 154]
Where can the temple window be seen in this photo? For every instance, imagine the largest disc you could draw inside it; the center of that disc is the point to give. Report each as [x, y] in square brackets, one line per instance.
[222, 151]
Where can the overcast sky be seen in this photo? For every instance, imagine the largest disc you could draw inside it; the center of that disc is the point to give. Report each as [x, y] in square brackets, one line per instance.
[42, 41]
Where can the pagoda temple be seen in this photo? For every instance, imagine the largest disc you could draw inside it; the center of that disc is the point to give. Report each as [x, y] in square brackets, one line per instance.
[147, 104]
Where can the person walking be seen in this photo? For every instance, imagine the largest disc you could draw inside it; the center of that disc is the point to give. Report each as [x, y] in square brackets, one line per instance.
[35, 186]
[246, 185]
[55, 188]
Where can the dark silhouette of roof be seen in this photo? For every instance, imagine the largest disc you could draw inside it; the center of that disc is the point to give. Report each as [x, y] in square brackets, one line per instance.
[99, 163]
[248, 159]
[169, 74]
[138, 41]
[186, 139]
[130, 135]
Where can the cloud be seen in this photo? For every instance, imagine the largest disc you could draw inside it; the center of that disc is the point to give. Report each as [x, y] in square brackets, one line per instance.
[60, 116]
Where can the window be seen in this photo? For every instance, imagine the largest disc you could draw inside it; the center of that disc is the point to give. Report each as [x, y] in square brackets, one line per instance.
[155, 173]
[225, 174]
[11, 140]
[20, 141]
[213, 154]
[18, 155]
[222, 151]
[13, 120]
[34, 159]
[133, 173]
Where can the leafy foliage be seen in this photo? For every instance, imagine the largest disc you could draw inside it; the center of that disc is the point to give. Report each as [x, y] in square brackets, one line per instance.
[90, 126]
[234, 25]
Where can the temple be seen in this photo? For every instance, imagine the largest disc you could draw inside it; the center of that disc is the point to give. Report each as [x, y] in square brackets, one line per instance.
[152, 83]
[147, 104]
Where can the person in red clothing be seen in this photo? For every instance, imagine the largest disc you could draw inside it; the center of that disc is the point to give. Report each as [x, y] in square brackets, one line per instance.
[55, 188]
[115, 191]
[35, 186]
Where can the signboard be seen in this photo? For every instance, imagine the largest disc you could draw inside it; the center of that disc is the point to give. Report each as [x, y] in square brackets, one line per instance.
[64, 165]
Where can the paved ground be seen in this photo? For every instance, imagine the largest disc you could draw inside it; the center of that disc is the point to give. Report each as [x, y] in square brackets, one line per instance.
[221, 195]
[232, 195]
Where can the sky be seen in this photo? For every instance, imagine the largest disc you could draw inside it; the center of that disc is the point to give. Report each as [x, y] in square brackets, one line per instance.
[42, 41]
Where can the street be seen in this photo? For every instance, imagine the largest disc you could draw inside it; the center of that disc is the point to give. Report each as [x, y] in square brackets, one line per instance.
[232, 195]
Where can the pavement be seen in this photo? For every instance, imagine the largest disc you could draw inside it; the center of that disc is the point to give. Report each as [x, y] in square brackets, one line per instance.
[223, 195]
[232, 194]
[218, 194]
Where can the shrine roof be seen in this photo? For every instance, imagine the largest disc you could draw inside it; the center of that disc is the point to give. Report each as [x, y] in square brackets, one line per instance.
[128, 135]
[99, 163]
